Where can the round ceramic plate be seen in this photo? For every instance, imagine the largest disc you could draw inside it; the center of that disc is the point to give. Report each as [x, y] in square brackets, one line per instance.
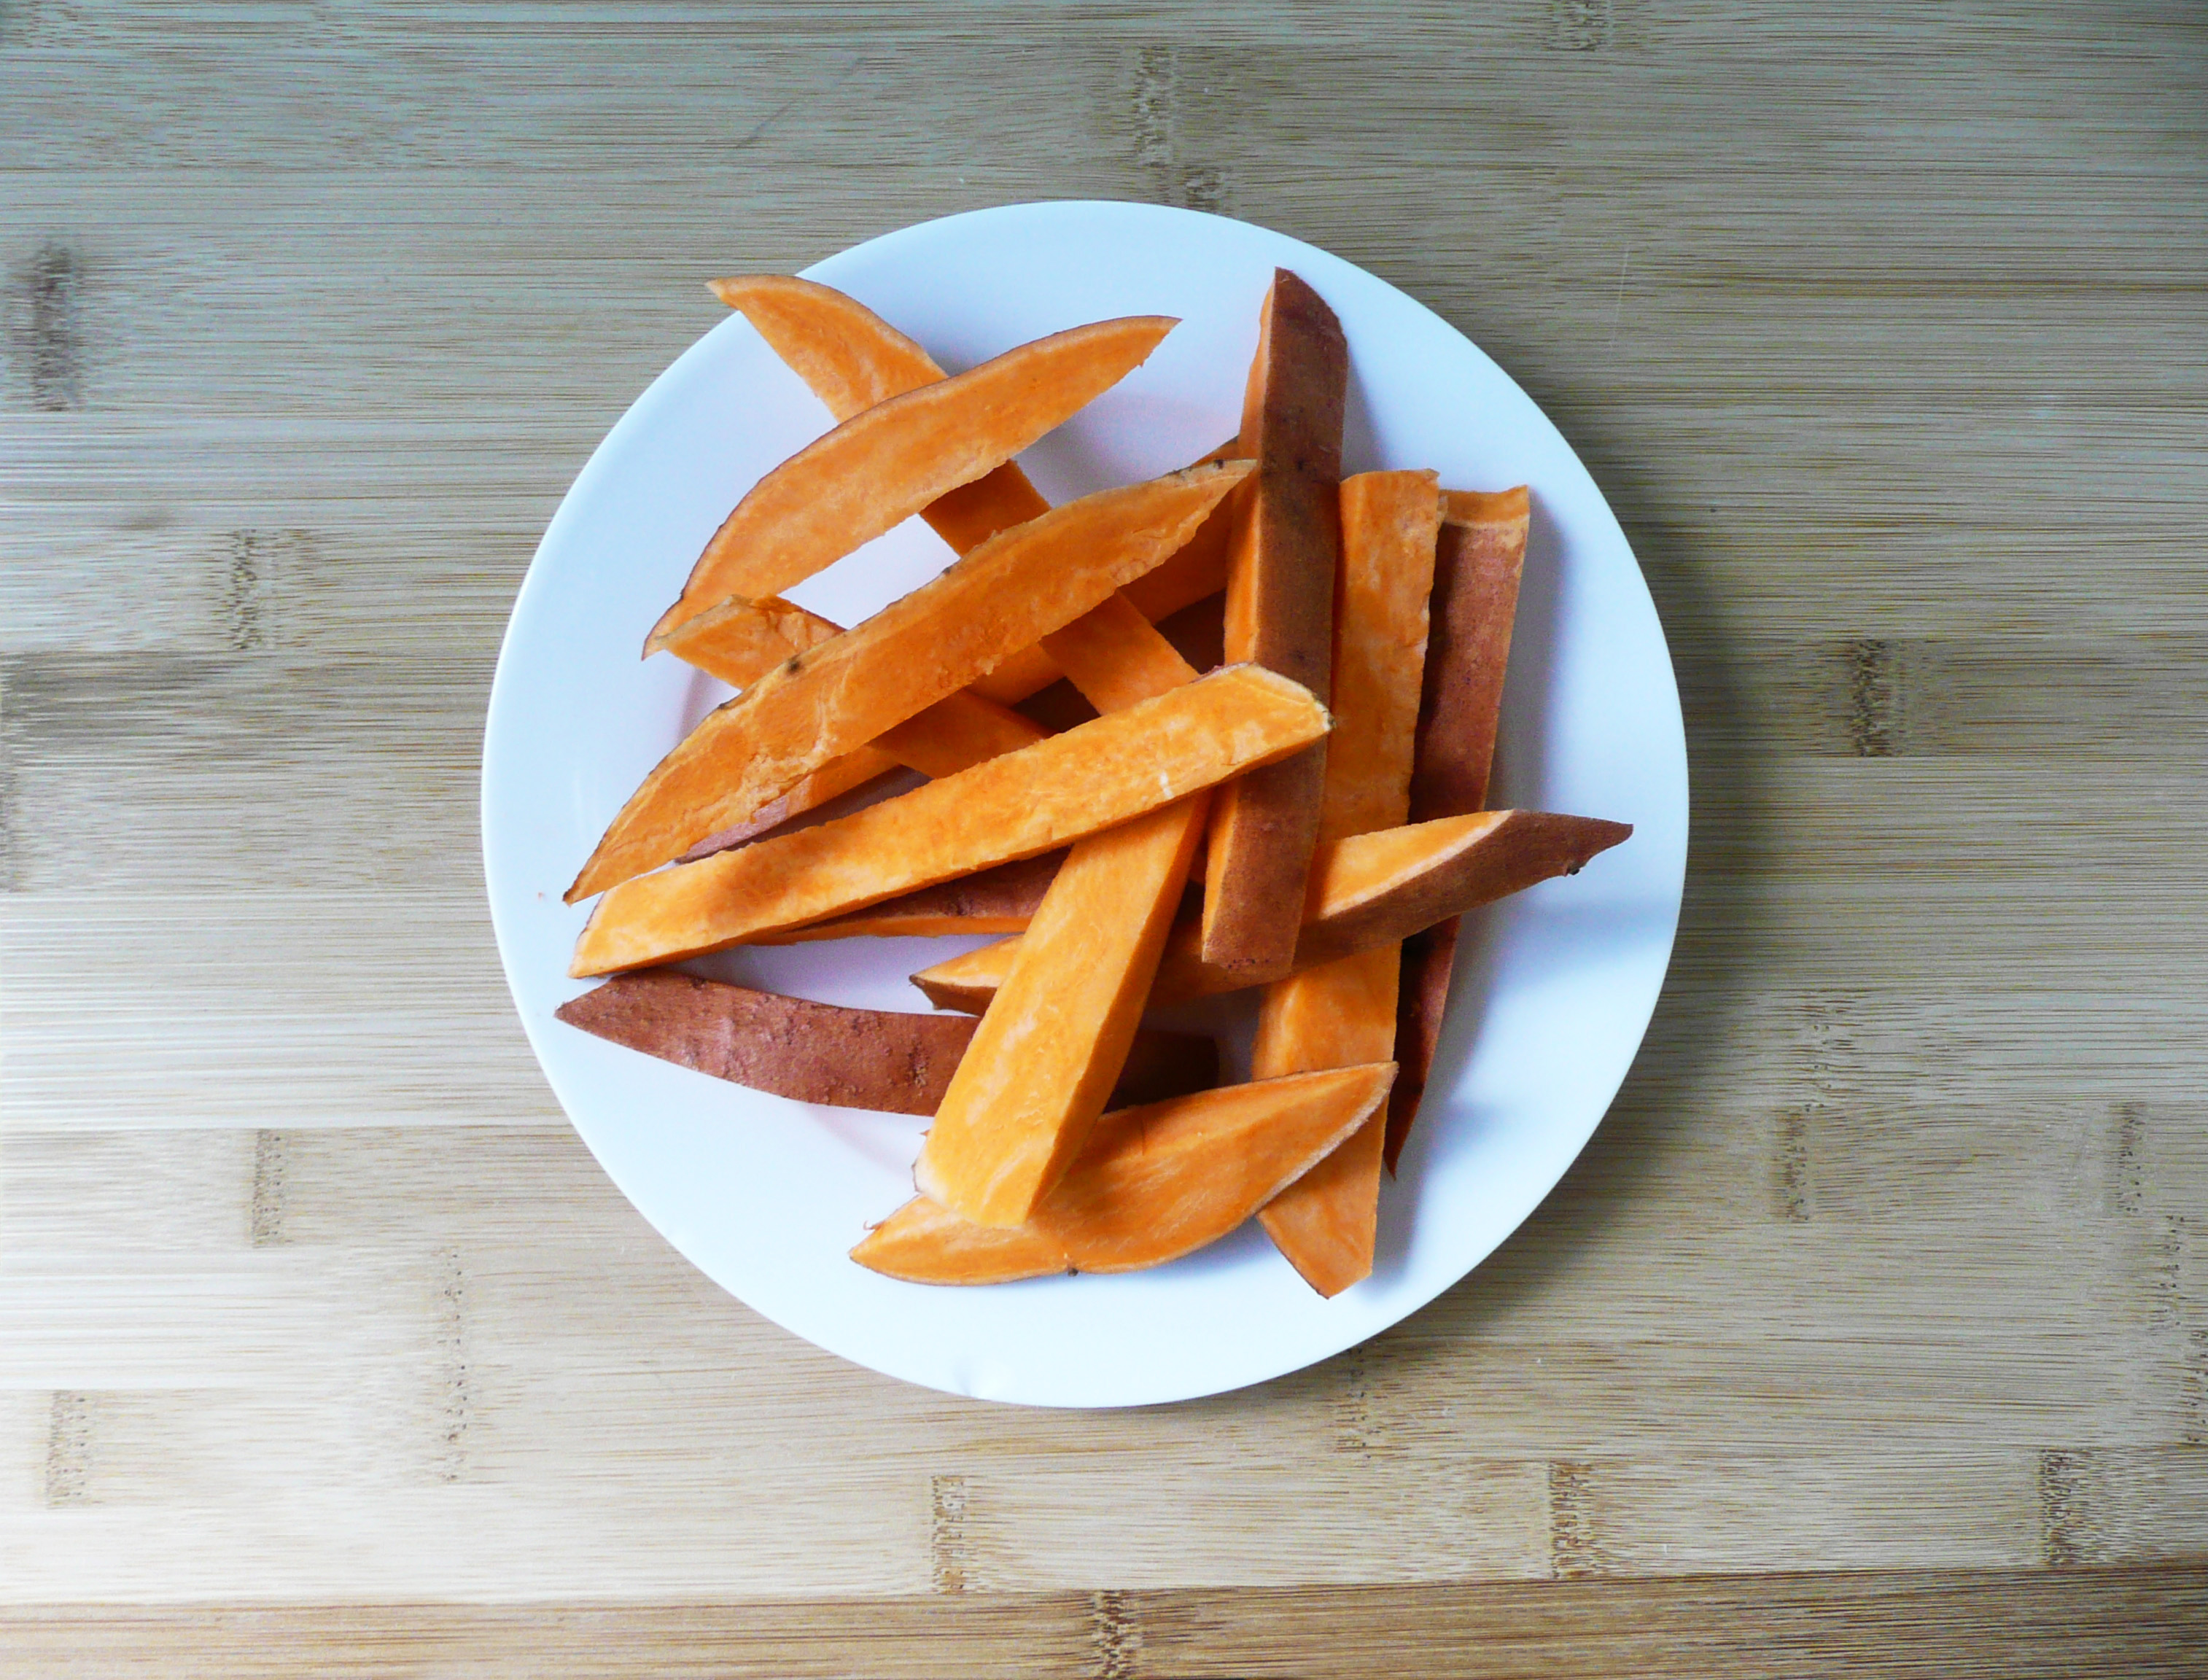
[1554, 987]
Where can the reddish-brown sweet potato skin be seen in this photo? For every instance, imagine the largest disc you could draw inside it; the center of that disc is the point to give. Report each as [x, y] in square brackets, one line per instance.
[1001, 900]
[1279, 614]
[1476, 567]
[823, 1052]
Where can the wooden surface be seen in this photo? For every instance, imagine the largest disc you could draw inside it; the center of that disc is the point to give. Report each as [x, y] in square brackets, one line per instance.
[1884, 329]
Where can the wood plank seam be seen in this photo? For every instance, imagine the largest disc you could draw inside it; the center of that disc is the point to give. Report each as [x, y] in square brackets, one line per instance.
[1118, 1634]
[69, 1448]
[1156, 126]
[948, 1564]
[456, 1392]
[1874, 699]
[54, 281]
[265, 1214]
[1573, 1552]
[2063, 1516]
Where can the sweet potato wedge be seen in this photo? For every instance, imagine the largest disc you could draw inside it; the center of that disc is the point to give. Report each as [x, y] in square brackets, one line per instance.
[1042, 1065]
[1279, 613]
[822, 1052]
[742, 641]
[1196, 574]
[1013, 589]
[1107, 771]
[1370, 889]
[1152, 1185]
[838, 777]
[884, 464]
[1002, 900]
[1482, 556]
[853, 359]
[1342, 1013]
[848, 356]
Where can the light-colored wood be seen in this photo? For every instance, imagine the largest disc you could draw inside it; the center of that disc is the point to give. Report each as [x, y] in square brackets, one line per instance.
[2073, 1624]
[1886, 332]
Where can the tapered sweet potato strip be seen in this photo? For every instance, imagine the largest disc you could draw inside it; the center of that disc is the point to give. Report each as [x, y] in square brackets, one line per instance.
[1197, 574]
[741, 641]
[1475, 602]
[1152, 1185]
[1002, 900]
[881, 467]
[1107, 771]
[1280, 611]
[1370, 890]
[853, 359]
[1041, 1067]
[823, 1052]
[1013, 589]
[848, 356]
[1343, 1012]
[838, 777]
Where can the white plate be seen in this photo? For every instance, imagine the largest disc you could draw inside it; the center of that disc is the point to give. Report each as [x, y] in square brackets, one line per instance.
[765, 1196]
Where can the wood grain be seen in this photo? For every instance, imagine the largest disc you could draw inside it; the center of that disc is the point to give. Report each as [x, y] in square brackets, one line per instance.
[2084, 1623]
[1886, 335]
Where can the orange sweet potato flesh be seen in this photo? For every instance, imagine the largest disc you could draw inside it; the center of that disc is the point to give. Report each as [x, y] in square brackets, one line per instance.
[1280, 614]
[822, 1052]
[1475, 602]
[1050, 1046]
[741, 641]
[1016, 588]
[1370, 889]
[1107, 771]
[1002, 900]
[1152, 1185]
[853, 359]
[1343, 1012]
[881, 467]
[838, 777]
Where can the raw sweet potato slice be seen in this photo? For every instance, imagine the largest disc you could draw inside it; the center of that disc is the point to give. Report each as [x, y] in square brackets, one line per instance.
[1343, 1012]
[1370, 889]
[1007, 594]
[823, 1052]
[741, 641]
[848, 356]
[1152, 1185]
[1196, 574]
[1041, 1067]
[838, 777]
[1482, 556]
[1280, 614]
[883, 466]
[853, 359]
[1001, 900]
[1110, 770]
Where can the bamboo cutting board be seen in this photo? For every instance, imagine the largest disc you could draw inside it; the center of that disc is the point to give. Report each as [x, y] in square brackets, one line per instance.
[1872, 1322]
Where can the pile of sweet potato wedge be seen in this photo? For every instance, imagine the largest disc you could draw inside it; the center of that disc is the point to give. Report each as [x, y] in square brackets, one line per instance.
[1316, 801]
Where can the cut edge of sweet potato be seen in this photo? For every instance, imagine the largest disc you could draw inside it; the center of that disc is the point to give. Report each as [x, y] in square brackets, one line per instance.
[1342, 1013]
[1154, 1184]
[888, 462]
[1109, 770]
[1279, 612]
[1041, 1066]
[846, 691]
[885, 1060]
[1478, 567]
[1372, 889]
